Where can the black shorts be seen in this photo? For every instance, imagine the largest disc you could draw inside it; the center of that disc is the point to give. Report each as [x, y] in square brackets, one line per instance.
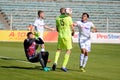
[34, 58]
[37, 57]
[39, 41]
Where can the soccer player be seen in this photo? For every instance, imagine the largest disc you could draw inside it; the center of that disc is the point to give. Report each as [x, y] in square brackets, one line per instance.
[39, 26]
[30, 27]
[85, 28]
[30, 46]
[64, 27]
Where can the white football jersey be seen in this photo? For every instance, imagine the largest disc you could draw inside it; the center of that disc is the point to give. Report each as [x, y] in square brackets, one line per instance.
[84, 28]
[39, 23]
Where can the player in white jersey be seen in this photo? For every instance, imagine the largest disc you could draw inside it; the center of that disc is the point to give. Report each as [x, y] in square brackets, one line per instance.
[40, 25]
[85, 28]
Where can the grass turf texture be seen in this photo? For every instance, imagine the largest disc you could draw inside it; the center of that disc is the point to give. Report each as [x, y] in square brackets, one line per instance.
[103, 63]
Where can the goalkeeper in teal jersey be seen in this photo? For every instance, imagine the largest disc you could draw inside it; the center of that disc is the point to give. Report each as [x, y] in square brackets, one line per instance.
[64, 27]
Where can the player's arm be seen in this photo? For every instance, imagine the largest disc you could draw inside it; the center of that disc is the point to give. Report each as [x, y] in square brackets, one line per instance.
[35, 25]
[26, 48]
[94, 29]
[26, 44]
[35, 29]
[72, 26]
[75, 24]
[53, 29]
[57, 25]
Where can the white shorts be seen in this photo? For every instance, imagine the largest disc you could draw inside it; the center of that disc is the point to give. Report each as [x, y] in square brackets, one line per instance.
[85, 44]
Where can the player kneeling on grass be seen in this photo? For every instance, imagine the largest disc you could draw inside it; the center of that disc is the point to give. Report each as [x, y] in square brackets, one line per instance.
[84, 27]
[30, 46]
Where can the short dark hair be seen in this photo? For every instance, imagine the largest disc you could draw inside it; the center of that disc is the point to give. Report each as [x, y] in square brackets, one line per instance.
[86, 14]
[29, 34]
[39, 12]
[62, 10]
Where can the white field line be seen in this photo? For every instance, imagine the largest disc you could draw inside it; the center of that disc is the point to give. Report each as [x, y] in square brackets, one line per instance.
[19, 60]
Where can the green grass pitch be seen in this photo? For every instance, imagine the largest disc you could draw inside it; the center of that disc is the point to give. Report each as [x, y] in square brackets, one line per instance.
[103, 63]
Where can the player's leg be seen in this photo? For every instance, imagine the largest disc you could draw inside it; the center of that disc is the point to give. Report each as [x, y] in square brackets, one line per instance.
[84, 62]
[33, 59]
[82, 47]
[45, 56]
[42, 45]
[40, 41]
[42, 62]
[82, 55]
[66, 59]
[88, 48]
[38, 58]
[42, 48]
[82, 58]
[57, 54]
[85, 59]
[83, 52]
[68, 46]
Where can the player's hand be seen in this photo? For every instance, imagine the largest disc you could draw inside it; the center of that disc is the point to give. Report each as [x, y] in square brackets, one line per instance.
[53, 29]
[36, 35]
[73, 32]
[94, 30]
[74, 24]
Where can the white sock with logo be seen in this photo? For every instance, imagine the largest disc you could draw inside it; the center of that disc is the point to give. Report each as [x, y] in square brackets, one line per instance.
[81, 59]
[85, 61]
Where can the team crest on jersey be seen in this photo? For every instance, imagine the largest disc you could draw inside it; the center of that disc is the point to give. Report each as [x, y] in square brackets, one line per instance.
[83, 27]
[86, 28]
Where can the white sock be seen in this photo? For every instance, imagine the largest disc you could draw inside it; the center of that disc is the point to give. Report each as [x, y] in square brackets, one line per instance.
[42, 49]
[85, 61]
[81, 59]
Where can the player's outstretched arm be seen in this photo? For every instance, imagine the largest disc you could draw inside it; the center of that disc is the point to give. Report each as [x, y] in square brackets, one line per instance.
[53, 29]
[94, 29]
[74, 24]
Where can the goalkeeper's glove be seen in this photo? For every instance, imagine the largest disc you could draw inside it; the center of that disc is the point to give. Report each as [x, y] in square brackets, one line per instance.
[36, 35]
